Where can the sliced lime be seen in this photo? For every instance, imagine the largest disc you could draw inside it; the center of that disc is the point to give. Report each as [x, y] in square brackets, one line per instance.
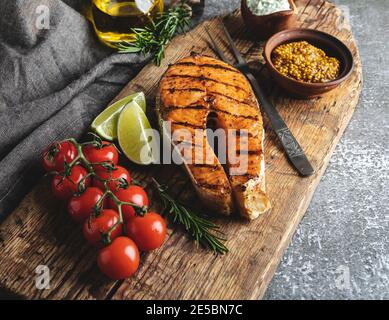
[140, 99]
[135, 135]
[105, 124]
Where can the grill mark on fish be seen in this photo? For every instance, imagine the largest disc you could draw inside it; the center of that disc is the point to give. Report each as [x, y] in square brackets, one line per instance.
[172, 90]
[209, 185]
[208, 65]
[247, 152]
[187, 124]
[233, 99]
[240, 133]
[248, 175]
[187, 143]
[202, 78]
[200, 107]
[206, 165]
[190, 107]
[255, 118]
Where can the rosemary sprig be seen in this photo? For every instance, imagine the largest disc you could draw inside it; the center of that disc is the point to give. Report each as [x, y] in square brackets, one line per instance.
[202, 230]
[154, 39]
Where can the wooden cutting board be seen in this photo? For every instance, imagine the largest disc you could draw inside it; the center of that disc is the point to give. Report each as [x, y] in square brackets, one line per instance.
[39, 232]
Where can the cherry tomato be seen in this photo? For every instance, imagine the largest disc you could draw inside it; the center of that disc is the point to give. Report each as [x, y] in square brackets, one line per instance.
[134, 194]
[107, 153]
[102, 223]
[114, 184]
[81, 206]
[148, 232]
[55, 155]
[66, 187]
[120, 259]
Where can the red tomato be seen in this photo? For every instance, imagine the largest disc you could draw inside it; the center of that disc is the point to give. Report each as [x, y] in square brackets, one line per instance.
[80, 207]
[107, 153]
[148, 232]
[134, 194]
[120, 259]
[66, 187]
[100, 224]
[55, 155]
[114, 184]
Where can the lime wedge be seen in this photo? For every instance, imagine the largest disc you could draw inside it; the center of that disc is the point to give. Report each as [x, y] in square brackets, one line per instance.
[105, 124]
[136, 137]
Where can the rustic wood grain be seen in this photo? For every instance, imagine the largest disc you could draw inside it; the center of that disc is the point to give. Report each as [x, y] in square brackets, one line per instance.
[39, 231]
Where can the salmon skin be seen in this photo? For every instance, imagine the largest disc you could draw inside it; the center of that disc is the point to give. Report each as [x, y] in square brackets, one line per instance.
[198, 90]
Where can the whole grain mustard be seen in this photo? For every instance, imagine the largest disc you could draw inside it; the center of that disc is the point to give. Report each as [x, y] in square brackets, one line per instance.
[304, 62]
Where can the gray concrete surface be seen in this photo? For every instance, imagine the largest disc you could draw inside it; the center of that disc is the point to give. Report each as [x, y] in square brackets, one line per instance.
[341, 247]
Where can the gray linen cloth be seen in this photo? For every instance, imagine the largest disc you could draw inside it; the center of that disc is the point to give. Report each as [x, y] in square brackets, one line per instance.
[53, 82]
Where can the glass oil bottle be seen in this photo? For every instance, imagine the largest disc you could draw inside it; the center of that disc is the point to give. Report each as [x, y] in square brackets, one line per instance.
[113, 19]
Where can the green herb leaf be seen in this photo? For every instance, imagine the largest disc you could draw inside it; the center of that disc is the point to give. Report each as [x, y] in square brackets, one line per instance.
[203, 231]
[127, 47]
[154, 39]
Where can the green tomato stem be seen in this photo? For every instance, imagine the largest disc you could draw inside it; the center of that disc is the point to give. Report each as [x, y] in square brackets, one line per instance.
[140, 210]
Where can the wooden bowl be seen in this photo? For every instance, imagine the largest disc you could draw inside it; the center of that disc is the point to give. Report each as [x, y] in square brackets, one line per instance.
[329, 44]
[262, 27]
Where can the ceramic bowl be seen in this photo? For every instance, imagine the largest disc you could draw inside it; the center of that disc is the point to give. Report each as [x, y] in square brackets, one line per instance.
[262, 27]
[330, 45]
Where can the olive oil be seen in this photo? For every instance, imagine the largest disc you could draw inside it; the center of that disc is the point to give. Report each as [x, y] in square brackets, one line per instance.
[113, 19]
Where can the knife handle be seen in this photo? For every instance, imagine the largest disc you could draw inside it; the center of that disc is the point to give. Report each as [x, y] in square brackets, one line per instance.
[292, 148]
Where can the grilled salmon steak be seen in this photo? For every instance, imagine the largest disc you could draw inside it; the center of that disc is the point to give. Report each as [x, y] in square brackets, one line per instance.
[195, 92]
